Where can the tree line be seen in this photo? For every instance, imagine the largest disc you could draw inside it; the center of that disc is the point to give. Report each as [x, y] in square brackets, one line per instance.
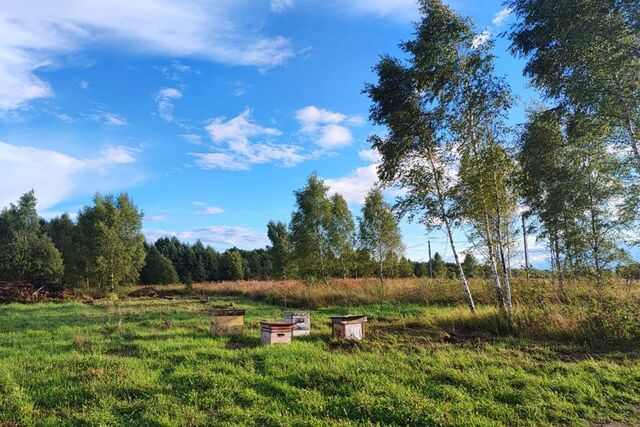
[572, 169]
[104, 248]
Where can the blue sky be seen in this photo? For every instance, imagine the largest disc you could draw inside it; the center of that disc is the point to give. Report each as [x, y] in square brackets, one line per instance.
[210, 114]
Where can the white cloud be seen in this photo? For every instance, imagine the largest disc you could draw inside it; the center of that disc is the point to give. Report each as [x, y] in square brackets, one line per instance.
[84, 84]
[240, 142]
[239, 88]
[212, 210]
[238, 130]
[219, 161]
[501, 16]
[481, 38]
[113, 155]
[280, 5]
[107, 118]
[354, 186]
[56, 176]
[334, 136]
[164, 102]
[327, 128]
[234, 149]
[370, 155]
[175, 70]
[406, 10]
[192, 138]
[218, 236]
[35, 34]
[64, 117]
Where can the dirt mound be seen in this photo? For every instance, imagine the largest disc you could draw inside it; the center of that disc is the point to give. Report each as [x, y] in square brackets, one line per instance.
[27, 293]
[143, 292]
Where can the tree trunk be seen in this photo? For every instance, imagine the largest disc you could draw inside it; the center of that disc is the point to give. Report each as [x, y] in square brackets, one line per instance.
[504, 260]
[492, 261]
[445, 219]
[595, 235]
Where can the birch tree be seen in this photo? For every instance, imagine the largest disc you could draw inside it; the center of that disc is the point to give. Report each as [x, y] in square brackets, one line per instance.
[309, 229]
[434, 106]
[586, 55]
[378, 232]
[111, 242]
[341, 232]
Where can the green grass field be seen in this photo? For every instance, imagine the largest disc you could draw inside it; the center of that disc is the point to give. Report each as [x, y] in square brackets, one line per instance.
[152, 362]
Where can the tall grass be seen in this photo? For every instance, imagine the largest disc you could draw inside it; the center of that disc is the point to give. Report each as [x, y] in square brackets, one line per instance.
[584, 313]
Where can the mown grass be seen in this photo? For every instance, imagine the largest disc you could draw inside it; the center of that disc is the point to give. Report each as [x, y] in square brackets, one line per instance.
[152, 362]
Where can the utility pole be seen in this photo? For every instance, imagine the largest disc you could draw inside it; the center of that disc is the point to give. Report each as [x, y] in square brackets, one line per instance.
[526, 249]
[430, 266]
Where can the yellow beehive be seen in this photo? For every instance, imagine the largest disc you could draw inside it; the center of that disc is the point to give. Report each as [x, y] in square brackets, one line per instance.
[227, 321]
[276, 332]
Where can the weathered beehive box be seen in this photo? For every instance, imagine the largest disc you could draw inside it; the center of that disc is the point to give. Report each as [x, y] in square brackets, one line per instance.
[226, 321]
[350, 327]
[301, 322]
[276, 332]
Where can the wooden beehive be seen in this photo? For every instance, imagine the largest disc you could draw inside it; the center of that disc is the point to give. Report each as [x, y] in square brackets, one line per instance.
[350, 327]
[276, 332]
[225, 321]
[301, 322]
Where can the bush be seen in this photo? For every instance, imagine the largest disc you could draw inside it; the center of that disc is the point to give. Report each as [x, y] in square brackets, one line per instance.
[157, 269]
[31, 258]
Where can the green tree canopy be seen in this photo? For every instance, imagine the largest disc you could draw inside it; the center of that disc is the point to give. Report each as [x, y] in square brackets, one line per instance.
[379, 233]
[232, 265]
[280, 250]
[309, 228]
[27, 253]
[111, 242]
[341, 234]
[157, 269]
[586, 54]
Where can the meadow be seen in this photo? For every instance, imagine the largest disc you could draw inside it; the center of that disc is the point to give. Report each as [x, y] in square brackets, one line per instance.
[425, 360]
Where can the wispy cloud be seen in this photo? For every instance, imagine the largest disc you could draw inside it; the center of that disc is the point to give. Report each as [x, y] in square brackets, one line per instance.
[35, 34]
[212, 210]
[164, 102]
[192, 138]
[218, 236]
[106, 117]
[175, 70]
[234, 146]
[278, 6]
[405, 10]
[56, 176]
[501, 16]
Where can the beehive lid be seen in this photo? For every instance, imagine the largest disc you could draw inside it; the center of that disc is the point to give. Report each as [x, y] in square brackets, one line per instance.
[276, 325]
[297, 313]
[218, 311]
[350, 318]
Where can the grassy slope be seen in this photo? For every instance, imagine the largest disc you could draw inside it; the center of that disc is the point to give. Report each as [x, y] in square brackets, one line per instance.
[151, 362]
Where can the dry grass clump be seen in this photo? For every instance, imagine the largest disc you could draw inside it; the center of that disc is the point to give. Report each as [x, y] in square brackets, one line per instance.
[295, 293]
[581, 313]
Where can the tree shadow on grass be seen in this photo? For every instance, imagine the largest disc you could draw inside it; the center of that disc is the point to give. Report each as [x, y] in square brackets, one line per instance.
[237, 342]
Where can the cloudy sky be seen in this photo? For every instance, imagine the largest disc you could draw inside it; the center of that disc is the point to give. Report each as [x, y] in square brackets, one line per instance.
[209, 113]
